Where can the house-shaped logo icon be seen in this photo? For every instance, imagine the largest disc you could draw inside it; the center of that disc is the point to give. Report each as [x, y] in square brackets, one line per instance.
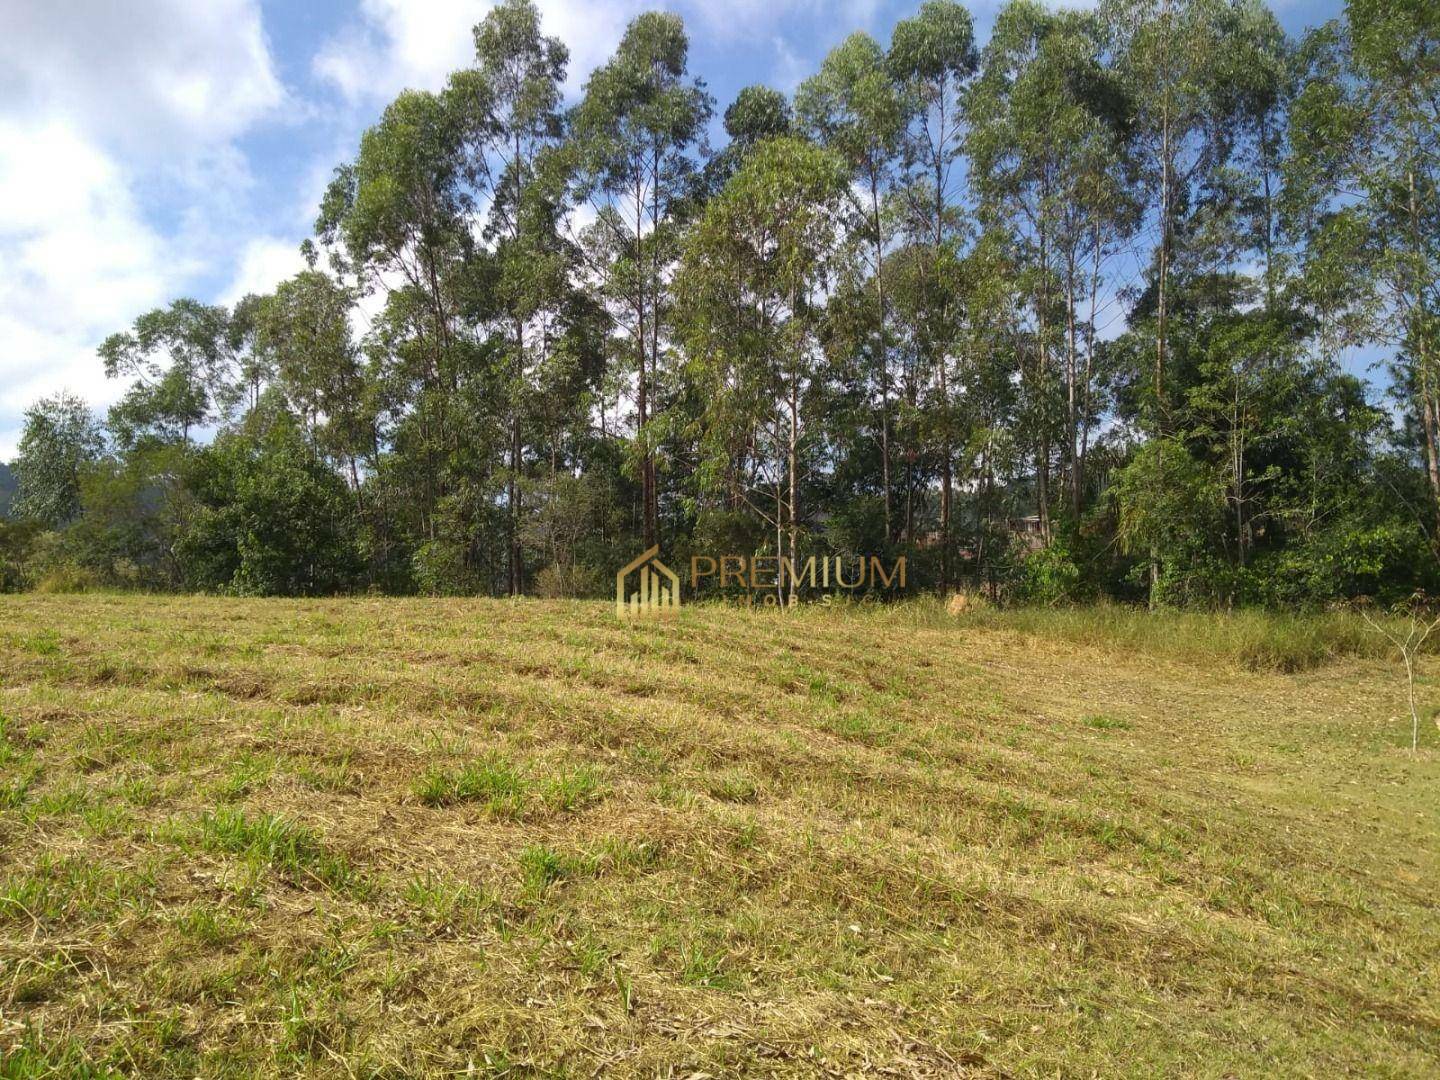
[658, 587]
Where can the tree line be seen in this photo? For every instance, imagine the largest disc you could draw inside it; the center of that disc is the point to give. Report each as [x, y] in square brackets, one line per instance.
[1058, 317]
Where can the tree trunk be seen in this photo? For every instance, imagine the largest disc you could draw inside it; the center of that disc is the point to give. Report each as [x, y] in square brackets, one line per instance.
[1072, 365]
[947, 449]
[882, 352]
[793, 466]
[649, 527]
[1425, 377]
[947, 453]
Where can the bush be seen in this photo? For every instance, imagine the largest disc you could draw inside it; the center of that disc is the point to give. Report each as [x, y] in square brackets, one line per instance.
[1386, 561]
[1049, 576]
[130, 512]
[445, 567]
[271, 518]
[51, 567]
[17, 550]
[68, 578]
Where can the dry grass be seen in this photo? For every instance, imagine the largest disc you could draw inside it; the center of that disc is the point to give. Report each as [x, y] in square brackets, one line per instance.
[415, 838]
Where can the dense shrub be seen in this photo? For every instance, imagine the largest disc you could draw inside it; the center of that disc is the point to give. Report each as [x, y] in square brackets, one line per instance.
[571, 582]
[269, 517]
[17, 549]
[1050, 575]
[1387, 560]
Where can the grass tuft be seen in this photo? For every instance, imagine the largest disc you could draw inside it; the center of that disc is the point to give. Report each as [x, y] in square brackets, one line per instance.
[272, 841]
[493, 782]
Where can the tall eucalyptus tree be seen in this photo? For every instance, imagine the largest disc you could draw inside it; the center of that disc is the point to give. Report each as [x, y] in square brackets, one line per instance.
[932, 56]
[1363, 189]
[1048, 152]
[636, 137]
[511, 104]
[854, 107]
[398, 218]
[752, 294]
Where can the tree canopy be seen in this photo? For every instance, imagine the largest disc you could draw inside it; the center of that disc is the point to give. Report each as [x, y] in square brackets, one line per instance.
[1063, 313]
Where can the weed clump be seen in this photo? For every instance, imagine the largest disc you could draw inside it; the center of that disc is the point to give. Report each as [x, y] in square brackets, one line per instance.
[271, 841]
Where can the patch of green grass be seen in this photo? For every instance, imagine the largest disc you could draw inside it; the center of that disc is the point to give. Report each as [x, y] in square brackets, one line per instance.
[69, 798]
[733, 785]
[14, 792]
[13, 745]
[701, 966]
[36, 1057]
[542, 866]
[1101, 722]
[574, 790]
[271, 841]
[139, 791]
[43, 643]
[442, 901]
[334, 774]
[494, 782]
[105, 818]
[209, 925]
[57, 889]
[859, 725]
[246, 773]
[103, 744]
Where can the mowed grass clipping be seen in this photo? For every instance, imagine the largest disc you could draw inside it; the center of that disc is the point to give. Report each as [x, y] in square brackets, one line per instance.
[477, 838]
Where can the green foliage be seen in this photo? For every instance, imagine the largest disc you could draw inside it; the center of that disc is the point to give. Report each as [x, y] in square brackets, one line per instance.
[1384, 560]
[1170, 511]
[178, 358]
[17, 547]
[270, 517]
[1056, 318]
[59, 440]
[1050, 575]
[757, 113]
[133, 509]
[7, 489]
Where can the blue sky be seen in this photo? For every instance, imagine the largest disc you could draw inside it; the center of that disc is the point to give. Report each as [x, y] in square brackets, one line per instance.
[163, 148]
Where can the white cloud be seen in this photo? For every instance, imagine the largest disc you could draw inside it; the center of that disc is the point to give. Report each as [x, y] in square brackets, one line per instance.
[264, 263]
[139, 75]
[80, 263]
[401, 44]
[99, 102]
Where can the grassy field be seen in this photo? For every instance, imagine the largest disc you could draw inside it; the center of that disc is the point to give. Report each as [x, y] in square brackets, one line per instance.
[414, 838]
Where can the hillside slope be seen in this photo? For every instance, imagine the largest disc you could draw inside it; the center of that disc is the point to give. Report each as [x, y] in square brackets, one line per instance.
[397, 838]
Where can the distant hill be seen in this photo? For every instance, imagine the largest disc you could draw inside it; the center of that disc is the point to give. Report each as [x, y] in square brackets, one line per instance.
[7, 489]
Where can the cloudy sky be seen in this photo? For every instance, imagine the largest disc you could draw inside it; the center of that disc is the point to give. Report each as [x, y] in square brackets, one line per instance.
[160, 148]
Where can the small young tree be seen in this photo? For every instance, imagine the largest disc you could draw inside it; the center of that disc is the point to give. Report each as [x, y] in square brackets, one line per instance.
[1408, 638]
[60, 438]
